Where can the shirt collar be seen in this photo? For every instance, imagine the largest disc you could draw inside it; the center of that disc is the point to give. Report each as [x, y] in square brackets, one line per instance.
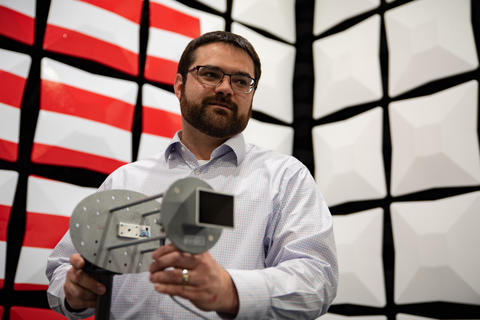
[235, 143]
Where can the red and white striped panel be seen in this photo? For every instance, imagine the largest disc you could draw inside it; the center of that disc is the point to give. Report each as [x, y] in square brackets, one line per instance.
[104, 31]
[17, 20]
[8, 185]
[49, 206]
[161, 119]
[172, 26]
[27, 313]
[14, 69]
[85, 119]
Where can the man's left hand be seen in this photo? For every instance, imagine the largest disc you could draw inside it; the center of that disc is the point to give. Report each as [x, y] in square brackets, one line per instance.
[205, 283]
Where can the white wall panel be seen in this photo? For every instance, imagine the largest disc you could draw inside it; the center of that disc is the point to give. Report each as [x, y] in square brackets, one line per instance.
[329, 13]
[437, 250]
[270, 136]
[274, 95]
[428, 40]
[220, 5]
[435, 141]
[331, 316]
[347, 68]
[359, 239]
[275, 17]
[8, 186]
[161, 119]
[348, 158]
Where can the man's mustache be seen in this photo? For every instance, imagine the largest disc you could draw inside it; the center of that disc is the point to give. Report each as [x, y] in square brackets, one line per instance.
[221, 101]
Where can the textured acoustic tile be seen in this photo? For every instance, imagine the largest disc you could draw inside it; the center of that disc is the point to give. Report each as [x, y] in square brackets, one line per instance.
[435, 141]
[18, 20]
[102, 31]
[270, 136]
[403, 316]
[161, 119]
[359, 239]
[14, 69]
[49, 206]
[329, 13]
[348, 158]
[275, 17]
[274, 95]
[89, 129]
[428, 40]
[220, 5]
[172, 26]
[332, 316]
[347, 68]
[8, 186]
[437, 250]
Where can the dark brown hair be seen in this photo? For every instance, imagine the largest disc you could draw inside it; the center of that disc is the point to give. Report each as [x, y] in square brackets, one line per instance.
[218, 36]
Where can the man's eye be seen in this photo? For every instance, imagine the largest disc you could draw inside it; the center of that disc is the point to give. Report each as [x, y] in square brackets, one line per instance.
[241, 81]
[210, 74]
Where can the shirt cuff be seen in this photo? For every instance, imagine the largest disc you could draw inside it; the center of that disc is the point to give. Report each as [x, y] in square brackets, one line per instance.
[57, 303]
[253, 295]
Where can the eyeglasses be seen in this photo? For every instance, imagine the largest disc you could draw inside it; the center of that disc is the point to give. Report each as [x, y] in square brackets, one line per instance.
[213, 76]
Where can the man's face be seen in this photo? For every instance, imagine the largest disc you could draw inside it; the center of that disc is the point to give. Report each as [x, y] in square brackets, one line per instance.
[217, 111]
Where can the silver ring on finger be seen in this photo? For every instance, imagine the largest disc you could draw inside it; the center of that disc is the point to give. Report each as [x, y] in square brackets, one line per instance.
[185, 276]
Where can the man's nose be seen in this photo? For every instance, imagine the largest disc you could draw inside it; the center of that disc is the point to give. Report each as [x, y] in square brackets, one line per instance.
[225, 85]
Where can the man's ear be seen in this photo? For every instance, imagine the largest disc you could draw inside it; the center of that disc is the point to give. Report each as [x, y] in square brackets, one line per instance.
[177, 86]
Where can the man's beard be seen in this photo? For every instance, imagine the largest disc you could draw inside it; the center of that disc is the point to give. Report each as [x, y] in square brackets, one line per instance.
[212, 121]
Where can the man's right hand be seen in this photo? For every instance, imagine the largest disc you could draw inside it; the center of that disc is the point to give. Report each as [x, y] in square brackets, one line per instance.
[81, 290]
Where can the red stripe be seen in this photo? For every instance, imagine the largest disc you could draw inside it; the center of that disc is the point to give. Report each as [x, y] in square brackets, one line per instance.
[44, 230]
[62, 98]
[16, 25]
[47, 154]
[11, 90]
[8, 150]
[2, 281]
[130, 10]
[161, 70]
[166, 18]
[161, 122]
[23, 313]
[4, 216]
[81, 45]
[28, 287]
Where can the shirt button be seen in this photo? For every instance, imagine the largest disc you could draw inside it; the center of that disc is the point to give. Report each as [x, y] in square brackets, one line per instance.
[197, 172]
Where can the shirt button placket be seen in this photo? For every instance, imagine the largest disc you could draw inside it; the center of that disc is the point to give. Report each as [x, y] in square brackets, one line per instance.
[196, 172]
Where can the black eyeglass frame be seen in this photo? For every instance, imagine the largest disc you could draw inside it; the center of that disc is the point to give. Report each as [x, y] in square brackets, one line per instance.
[252, 86]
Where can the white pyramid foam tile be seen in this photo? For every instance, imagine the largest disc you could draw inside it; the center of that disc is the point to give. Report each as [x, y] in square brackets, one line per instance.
[348, 158]
[428, 40]
[274, 95]
[359, 247]
[276, 17]
[329, 13]
[8, 186]
[331, 316]
[437, 250]
[404, 316]
[161, 120]
[434, 140]
[347, 68]
[271, 136]
[220, 5]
